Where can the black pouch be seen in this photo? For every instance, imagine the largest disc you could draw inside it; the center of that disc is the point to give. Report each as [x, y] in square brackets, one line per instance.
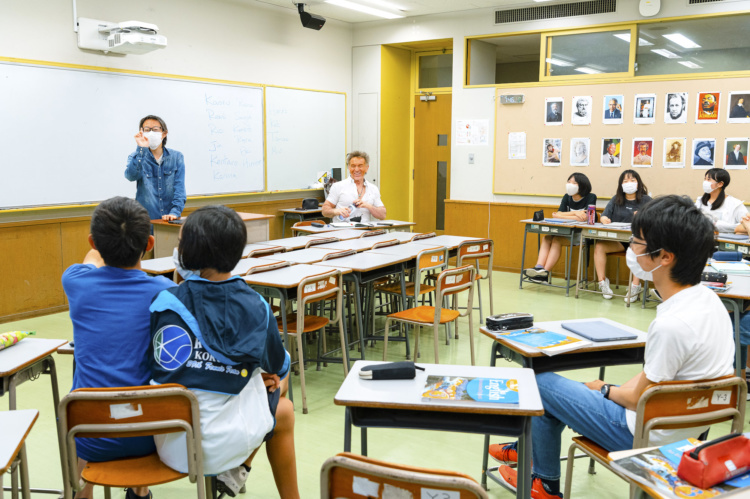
[390, 370]
[310, 204]
[714, 277]
[509, 322]
[538, 216]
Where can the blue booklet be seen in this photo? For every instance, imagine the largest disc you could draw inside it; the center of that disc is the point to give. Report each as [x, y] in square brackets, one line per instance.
[547, 342]
[462, 388]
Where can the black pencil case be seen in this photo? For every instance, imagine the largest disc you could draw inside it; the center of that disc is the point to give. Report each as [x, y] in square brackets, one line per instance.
[390, 370]
[714, 277]
[507, 322]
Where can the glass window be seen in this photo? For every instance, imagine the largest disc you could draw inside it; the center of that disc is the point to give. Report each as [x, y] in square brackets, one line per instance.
[436, 71]
[593, 52]
[504, 59]
[706, 45]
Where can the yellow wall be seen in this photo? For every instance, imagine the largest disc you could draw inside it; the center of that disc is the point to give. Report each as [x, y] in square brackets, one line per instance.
[395, 109]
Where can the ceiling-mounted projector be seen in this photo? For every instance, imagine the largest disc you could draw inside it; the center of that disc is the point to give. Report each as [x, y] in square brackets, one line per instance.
[129, 37]
[309, 20]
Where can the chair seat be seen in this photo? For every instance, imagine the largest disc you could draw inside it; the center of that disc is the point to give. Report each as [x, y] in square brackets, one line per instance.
[131, 472]
[425, 314]
[395, 288]
[275, 309]
[312, 323]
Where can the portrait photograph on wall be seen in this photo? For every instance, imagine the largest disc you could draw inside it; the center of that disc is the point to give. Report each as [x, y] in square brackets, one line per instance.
[553, 111]
[552, 152]
[676, 108]
[645, 109]
[579, 151]
[613, 109]
[735, 153]
[704, 153]
[739, 107]
[707, 110]
[581, 110]
[611, 152]
[674, 152]
[643, 152]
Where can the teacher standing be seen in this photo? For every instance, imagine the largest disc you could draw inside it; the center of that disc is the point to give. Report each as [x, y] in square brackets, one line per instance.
[159, 172]
[355, 197]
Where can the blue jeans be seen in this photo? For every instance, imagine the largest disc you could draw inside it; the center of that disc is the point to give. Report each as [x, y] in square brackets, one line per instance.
[744, 335]
[571, 403]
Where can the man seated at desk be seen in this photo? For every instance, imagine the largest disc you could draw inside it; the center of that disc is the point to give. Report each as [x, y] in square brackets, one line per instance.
[354, 199]
[690, 339]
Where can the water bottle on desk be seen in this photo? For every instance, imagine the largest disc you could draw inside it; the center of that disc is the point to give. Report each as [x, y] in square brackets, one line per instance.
[591, 212]
[351, 212]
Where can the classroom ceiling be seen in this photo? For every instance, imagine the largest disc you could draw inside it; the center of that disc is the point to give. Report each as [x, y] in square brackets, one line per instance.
[406, 8]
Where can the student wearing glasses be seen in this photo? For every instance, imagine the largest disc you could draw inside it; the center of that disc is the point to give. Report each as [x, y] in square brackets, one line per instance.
[158, 171]
[355, 199]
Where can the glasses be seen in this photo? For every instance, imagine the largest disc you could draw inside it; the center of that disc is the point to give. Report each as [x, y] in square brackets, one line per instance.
[155, 129]
[631, 241]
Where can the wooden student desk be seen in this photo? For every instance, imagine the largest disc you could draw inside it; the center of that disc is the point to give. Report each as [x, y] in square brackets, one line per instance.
[366, 243]
[399, 404]
[254, 248]
[734, 298]
[739, 243]
[165, 265]
[295, 243]
[599, 232]
[307, 255]
[542, 228]
[376, 225]
[16, 426]
[166, 234]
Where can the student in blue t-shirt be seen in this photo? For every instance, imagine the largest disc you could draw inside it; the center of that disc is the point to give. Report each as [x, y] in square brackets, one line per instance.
[109, 298]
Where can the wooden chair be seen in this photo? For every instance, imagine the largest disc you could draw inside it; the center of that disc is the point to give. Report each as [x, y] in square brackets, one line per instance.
[384, 480]
[449, 283]
[314, 289]
[272, 250]
[370, 233]
[338, 254]
[128, 412]
[325, 240]
[429, 260]
[671, 405]
[385, 244]
[306, 223]
[425, 235]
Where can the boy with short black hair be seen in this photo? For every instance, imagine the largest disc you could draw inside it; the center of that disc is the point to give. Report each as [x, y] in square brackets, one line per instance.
[109, 298]
[691, 338]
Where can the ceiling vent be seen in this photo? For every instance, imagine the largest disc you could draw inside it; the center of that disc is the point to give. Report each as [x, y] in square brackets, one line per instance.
[556, 11]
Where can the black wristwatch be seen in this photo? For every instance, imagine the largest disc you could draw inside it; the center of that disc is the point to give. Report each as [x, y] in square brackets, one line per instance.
[605, 390]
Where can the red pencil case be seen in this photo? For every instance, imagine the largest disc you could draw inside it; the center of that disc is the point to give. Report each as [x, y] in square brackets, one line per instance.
[716, 461]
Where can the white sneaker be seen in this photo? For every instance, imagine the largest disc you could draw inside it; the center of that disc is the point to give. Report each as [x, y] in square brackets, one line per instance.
[605, 289]
[635, 292]
[232, 481]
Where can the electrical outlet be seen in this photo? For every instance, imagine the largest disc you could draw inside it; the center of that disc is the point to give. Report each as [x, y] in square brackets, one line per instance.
[471, 158]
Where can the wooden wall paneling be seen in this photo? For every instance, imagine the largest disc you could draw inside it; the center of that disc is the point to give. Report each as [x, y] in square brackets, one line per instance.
[74, 244]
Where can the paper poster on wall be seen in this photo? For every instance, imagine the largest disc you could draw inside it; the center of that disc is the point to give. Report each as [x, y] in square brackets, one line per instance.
[552, 152]
[675, 108]
[613, 109]
[643, 151]
[472, 132]
[707, 108]
[645, 109]
[517, 145]
[675, 150]
[704, 151]
[579, 151]
[611, 152]
[553, 111]
[735, 153]
[581, 114]
[739, 107]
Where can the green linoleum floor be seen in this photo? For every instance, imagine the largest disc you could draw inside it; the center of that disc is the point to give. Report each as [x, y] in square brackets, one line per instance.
[319, 434]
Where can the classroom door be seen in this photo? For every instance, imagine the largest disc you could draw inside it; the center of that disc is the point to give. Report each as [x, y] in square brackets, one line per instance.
[432, 159]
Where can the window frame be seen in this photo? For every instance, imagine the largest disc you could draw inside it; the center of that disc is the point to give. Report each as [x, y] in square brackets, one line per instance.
[417, 56]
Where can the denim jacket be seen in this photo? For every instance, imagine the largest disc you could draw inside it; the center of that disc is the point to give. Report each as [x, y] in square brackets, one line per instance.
[160, 188]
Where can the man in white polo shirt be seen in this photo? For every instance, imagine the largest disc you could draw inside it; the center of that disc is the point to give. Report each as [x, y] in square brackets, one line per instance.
[355, 197]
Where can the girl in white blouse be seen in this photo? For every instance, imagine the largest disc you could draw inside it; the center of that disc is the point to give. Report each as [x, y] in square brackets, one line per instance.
[725, 211]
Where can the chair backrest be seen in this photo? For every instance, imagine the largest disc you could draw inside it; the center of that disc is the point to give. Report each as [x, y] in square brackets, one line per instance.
[425, 235]
[307, 223]
[339, 254]
[385, 244]
[130, 412]
[431, 259]
[319, 287]
[271, 250]
[370, 233]
[474, 251]
[266, 268]
[341, 473]
[324, 240]
[686, 404]
[454, 281]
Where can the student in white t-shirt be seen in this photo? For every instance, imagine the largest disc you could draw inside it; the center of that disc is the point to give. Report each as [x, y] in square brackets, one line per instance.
[355, 199]
[690, 339]
[725, 211]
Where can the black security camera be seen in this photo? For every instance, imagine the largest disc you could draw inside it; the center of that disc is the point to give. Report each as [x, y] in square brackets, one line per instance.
[311, 21]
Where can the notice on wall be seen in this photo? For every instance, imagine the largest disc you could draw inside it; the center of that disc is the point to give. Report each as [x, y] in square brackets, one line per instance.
[517, 145]
[472, 132]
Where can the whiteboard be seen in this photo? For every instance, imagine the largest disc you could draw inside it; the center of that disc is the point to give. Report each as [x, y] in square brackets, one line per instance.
[65, 133]
[305, 134]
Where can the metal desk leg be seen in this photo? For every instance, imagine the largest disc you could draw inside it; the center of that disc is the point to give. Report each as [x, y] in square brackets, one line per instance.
[363, 436]
[570, 261]
[523, 255]
[403, 307]
[347, 430]
[580, 259]
[360, 326]
[523, 489]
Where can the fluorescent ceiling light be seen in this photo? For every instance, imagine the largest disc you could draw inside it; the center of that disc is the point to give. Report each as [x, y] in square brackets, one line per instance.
[689, 64]
[541, 1]
[641, 41]
[665, 53]
[682, 41]
[363, 8]
[558, 62]
[387, 5]
[587, 70]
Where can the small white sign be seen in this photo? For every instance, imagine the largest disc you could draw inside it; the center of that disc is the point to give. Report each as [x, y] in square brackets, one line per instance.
[545, 229]
[310, 288]
[721, 397]
[473, 249]
[730, 465]
[439, 494]
[451, 279]
[124, 411]
[365, 487]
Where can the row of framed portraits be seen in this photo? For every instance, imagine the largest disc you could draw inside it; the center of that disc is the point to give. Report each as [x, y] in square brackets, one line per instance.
[707, 108]
[676, 152]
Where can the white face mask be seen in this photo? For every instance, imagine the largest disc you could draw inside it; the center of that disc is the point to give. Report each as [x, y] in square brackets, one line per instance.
[571, 189]
[154, 139]
[183, 272]
[629, 187]
[707, 187]
[631, 259]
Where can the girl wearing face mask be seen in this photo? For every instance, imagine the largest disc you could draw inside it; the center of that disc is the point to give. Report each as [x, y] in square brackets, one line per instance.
[630, 197]
[158, 171]
[726, 212]
[573, 206]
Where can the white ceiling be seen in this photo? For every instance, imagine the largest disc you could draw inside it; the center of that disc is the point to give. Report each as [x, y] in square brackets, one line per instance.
[408, 8]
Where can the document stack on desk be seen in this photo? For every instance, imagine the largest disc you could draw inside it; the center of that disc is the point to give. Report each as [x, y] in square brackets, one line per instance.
[463, 388]
[562, 221]
[741, 268]
[545, 341]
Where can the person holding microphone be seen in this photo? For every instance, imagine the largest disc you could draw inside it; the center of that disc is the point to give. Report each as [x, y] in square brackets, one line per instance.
[158, 171]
